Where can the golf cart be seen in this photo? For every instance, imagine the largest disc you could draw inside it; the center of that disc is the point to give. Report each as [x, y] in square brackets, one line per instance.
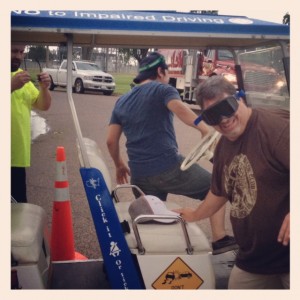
[150, 256]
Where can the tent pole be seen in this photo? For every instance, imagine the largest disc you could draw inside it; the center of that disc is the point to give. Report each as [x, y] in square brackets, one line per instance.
[82, 147]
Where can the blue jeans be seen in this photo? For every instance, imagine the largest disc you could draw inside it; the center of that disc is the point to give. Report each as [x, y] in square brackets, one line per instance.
[193, 183]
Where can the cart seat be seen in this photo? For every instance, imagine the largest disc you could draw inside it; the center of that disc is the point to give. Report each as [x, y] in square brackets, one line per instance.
[161, 238]
[28, 226]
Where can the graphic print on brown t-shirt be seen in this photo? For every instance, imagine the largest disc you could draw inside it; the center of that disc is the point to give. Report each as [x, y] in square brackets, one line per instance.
[241, 185]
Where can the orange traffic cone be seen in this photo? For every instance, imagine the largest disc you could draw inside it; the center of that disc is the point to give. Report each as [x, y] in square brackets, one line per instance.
[62, 238]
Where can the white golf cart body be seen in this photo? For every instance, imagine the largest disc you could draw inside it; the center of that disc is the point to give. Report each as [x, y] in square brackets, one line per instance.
[176, 256]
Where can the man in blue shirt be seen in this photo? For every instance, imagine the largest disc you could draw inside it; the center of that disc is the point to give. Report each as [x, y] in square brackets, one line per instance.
[145, 115]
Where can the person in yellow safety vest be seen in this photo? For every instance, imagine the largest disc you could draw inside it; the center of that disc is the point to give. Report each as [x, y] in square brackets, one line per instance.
[24, 97]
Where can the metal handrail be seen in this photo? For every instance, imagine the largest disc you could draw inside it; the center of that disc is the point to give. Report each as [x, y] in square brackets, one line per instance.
[144, 218]
[125, 186]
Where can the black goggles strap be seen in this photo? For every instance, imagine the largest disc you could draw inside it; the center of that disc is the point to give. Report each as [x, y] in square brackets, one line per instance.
[153, 64]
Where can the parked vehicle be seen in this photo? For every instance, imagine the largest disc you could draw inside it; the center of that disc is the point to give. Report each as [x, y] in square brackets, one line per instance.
[258, 68]
[86, 76]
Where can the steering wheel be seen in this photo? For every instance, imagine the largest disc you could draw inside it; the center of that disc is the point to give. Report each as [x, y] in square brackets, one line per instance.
[202, 150]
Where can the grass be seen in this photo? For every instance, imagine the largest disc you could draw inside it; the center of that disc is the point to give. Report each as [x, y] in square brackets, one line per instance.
[123, 82]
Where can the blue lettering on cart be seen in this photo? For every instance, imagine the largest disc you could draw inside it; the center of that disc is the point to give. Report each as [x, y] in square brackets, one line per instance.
[104, 219]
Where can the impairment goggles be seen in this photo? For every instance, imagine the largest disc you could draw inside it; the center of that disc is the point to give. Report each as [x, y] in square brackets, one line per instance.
[213, 115]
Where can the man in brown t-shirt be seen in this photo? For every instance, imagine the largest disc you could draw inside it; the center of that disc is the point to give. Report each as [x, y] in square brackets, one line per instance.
[251, 171]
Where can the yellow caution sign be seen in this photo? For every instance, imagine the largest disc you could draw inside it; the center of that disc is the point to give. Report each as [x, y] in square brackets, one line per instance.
[178, 275]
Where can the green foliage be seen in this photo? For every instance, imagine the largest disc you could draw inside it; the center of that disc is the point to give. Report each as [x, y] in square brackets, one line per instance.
[37, 53]
[123, 82]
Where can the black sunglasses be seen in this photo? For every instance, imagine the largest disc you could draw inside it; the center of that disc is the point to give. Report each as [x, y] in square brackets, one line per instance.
[213, 115]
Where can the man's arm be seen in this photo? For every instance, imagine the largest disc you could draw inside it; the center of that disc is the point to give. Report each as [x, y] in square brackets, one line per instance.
[284, 233]
[187, 116]
[44, 99]
[210, 205]
[112, 142]
[19, 80]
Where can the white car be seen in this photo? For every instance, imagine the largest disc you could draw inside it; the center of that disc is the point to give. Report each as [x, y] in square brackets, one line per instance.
[86, 76]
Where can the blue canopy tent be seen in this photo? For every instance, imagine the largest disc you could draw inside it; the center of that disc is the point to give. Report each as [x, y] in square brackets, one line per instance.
[142, 29]
[133, 29]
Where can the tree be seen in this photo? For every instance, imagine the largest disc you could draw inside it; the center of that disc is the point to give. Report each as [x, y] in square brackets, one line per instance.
[137, 53]
[37, 53]
[286, 19]
[87, 52]
[62, 53]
